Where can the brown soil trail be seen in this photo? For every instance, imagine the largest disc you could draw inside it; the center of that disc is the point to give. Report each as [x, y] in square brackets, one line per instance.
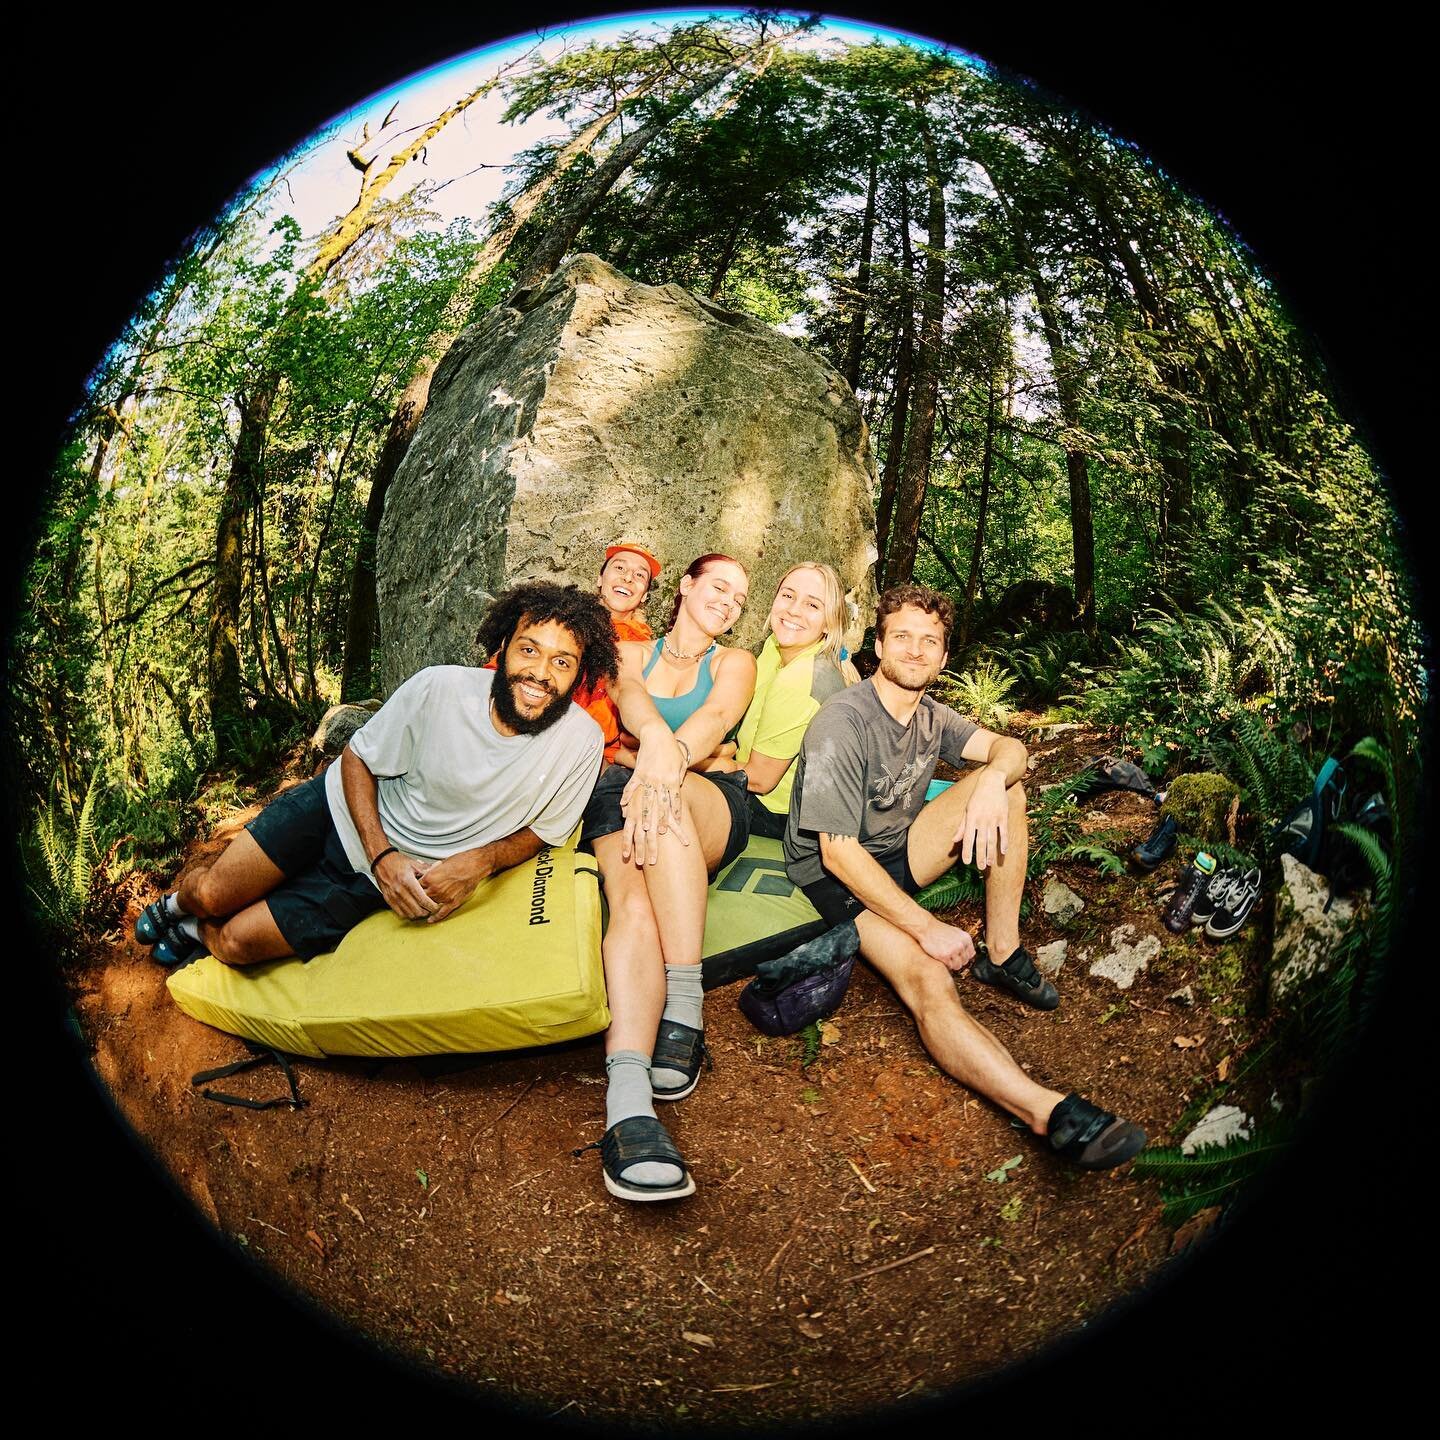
[843, 1209]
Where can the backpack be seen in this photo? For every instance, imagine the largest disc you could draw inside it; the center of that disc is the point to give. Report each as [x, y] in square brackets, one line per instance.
[1302, 832]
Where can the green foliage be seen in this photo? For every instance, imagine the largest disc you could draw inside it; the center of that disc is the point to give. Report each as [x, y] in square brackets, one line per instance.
[66, 841]
[1211, 1176]
[1270, 769]
[963, 885]
[809, 1039]
[979, 693]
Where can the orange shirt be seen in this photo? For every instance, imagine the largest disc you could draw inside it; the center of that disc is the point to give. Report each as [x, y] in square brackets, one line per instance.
[595, 701]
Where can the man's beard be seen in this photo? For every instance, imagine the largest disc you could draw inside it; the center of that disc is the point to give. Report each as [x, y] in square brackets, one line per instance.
[503, 697]
[890, 669]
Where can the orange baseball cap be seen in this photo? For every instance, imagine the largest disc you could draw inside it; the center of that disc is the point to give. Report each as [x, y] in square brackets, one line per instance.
[634, 549]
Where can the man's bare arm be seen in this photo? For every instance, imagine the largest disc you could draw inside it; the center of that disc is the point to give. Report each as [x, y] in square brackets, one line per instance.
[397, 875]
[856, 869]
[451, 882]
[983, 833]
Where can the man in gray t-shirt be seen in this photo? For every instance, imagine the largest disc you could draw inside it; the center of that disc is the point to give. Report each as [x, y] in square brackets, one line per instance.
[861, 840]
[462, 773]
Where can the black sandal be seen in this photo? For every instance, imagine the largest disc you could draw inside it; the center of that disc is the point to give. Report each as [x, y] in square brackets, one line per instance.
[679, 1047]
[633, 1141]
[1090, 1137]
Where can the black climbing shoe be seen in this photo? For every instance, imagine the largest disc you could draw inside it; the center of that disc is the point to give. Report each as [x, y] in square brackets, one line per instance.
[1158, 846]
[1090, 1137]
[1019, 976]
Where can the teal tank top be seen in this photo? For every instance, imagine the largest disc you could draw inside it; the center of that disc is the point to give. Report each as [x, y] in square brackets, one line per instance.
[675, 710]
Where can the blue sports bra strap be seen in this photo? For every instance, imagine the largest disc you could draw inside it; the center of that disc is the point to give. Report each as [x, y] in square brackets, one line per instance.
[654, 656]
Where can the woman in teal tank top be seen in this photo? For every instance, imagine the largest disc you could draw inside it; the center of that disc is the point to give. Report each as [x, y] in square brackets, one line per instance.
[659, 831]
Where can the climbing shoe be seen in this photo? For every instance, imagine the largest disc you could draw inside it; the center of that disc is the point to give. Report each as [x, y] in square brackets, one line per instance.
[1090, 1137]
[1019, 976]
[1158, 846]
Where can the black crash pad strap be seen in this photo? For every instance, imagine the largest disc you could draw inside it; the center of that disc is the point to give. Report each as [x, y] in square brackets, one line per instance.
[262, 1056]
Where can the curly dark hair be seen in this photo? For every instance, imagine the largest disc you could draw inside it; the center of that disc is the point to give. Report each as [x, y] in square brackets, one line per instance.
[922, 597]
[579, 611]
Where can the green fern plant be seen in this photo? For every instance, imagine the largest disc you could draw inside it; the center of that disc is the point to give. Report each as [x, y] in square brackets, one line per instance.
[1211, 1176]
[959, 886]
[67, 844]
[979, 693]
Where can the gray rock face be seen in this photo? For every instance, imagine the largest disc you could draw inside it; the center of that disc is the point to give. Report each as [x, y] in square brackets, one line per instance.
[1127, 956]
[1219, 1127]
[338, 724]
[593, 408]
[1060, 902]
[1050, 959]
[1306, 936]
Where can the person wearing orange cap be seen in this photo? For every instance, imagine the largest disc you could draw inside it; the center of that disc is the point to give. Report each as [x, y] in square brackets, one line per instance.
[625, 580]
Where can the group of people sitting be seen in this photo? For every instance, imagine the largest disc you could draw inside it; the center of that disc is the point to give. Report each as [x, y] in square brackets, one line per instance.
[669, 752]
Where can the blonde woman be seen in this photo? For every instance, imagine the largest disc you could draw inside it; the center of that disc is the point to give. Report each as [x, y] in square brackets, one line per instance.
[799, 668]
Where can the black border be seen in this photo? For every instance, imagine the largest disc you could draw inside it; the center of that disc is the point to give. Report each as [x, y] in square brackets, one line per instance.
[1305, 140]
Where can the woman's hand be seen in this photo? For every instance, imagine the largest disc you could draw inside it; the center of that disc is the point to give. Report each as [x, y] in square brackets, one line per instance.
[651, 799]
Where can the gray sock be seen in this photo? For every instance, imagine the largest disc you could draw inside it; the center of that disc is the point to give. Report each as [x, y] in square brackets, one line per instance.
[190, 926]
[173, 907]
[629, 1094]
[684, 1002]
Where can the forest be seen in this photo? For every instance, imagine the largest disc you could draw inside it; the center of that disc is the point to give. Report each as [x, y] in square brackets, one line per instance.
[1093, 424]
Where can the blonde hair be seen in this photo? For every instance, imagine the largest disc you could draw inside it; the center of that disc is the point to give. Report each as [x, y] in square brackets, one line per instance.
[833, 635]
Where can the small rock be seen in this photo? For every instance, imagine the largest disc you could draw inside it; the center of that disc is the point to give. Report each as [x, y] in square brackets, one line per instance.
[1052, 732]
[1219, 1127]
[339, 723]
[1306, 934]
[1060, 902]
[1050, 958]
[1185, 995]
[1127, 958]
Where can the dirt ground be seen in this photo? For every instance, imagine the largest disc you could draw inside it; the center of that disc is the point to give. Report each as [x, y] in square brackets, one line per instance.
[849, 1208]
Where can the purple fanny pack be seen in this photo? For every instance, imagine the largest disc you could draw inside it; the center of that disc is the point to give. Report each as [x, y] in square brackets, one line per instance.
[794, 1006]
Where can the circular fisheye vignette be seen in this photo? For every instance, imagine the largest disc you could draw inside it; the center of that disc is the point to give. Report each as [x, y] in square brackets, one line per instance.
[1099, 576]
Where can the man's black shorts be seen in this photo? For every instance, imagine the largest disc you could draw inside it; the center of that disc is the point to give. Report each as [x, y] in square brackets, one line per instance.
[836, 904]
[322, 898]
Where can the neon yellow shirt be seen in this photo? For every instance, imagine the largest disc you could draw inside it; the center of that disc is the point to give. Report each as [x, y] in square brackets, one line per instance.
[785, 702]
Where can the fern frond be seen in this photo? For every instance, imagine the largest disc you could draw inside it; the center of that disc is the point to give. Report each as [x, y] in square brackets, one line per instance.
[1107, 860]
[956, 887]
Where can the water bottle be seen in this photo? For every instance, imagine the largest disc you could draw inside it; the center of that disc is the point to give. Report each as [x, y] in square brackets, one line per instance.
[1193, 880]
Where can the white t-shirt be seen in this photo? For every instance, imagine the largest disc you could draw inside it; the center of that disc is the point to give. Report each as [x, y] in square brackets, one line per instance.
[449, 781]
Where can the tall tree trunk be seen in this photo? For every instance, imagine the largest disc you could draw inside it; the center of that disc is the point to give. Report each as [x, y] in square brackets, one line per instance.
[855, 342]
[1065, 368]
[244, 483]
[987, 455]
[920, 428]
[904, 372]
[227, 707]
[727, 257]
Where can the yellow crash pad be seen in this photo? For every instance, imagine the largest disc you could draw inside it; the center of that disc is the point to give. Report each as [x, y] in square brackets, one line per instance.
[517, 965]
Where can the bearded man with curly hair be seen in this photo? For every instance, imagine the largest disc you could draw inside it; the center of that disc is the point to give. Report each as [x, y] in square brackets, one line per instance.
[462, 773]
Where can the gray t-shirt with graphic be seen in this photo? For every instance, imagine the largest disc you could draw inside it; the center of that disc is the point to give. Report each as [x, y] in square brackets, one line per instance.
[862, 773]
[450, 781]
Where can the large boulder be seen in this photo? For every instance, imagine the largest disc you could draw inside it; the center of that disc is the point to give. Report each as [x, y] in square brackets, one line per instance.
[592, 408]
